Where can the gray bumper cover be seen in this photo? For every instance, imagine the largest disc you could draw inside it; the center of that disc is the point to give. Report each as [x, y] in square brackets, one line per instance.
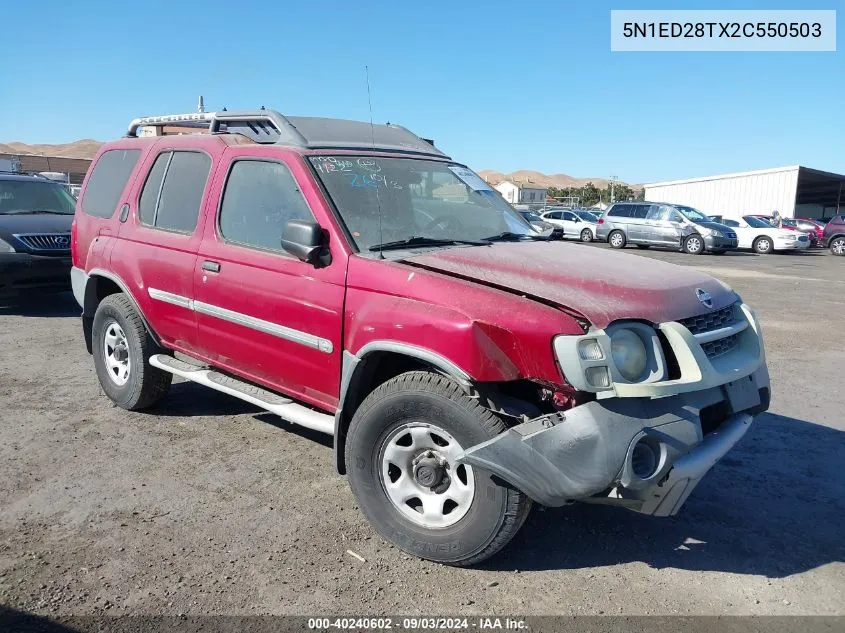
[586, 453]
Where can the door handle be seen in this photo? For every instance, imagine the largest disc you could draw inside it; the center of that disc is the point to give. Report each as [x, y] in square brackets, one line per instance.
[212, 267]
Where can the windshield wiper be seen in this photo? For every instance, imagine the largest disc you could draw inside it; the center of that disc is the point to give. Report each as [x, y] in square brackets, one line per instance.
[419, 240]
[510, 236]
[34, 212]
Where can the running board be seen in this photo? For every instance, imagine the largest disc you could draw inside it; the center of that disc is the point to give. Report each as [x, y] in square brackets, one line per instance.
[267, 400]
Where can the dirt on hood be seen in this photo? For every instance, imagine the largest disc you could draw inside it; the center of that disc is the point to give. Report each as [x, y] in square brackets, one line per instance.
[602, 285]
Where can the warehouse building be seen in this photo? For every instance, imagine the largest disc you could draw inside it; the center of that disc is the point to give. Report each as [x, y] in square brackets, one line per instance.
[793, 191]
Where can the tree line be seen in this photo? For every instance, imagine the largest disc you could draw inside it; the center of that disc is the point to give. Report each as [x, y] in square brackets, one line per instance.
[589, 194]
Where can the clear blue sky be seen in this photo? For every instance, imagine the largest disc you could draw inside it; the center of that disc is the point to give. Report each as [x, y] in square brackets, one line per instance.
[498, 85]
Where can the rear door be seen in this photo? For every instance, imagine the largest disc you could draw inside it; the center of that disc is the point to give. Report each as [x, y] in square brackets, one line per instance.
[261, 312]
[157, 250]
[637, 228]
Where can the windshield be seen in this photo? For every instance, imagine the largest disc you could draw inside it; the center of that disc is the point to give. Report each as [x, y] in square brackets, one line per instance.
[756, 223]
[531, 216]
[586, 216]
[34, 196]
[415, 198]
[693, 214]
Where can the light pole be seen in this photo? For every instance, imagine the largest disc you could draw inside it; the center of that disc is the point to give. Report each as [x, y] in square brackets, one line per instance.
[613, 180]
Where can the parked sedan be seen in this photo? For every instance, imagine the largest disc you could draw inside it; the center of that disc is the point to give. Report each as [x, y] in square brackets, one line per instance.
[761, 237]
[576, 223]
[537, 223]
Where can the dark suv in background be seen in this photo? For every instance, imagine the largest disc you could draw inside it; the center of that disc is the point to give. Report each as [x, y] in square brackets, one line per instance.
[35, 233]
[834, 235]
[668, 225]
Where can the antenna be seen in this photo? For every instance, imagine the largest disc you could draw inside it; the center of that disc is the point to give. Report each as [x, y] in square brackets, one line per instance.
[373, 138]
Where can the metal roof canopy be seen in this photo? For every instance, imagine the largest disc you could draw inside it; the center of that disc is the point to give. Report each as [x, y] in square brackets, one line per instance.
[272, 127]
[820, 187]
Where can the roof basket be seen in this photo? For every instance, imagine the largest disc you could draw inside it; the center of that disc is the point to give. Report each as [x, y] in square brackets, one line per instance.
[270, 126]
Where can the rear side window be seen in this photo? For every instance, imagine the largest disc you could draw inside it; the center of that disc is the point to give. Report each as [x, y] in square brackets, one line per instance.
[173, 192]
[640, 211]
[107, 181]
[259, 199]
[620, 210]
[554, 215]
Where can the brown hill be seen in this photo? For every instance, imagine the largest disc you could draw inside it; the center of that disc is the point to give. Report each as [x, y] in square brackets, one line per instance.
[85, 148]
[561, 181]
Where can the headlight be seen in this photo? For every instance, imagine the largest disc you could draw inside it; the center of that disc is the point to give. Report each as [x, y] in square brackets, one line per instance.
[629, 354]
[5, 247]
[715, 233]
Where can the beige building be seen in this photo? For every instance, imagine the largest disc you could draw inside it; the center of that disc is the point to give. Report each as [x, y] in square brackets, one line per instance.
[521, 193]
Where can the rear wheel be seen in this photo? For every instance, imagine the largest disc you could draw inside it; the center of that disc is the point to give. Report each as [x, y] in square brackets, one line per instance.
[694, 244]
[401, 455]
[762, 245]
[586, 235]
[837, 246]
[617, 239]
[122, 350]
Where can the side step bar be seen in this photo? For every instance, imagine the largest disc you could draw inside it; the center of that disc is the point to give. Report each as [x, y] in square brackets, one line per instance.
[272, 402]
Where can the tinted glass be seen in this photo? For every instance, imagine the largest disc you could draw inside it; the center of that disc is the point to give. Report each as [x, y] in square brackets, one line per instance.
[641, 211]
[756, 223]
[259, 199]
[149, 195]
[620, 210]
[107, 181]
[19, 197]
[181, 195]
[569, 216]
[730, 222]
[554, 215]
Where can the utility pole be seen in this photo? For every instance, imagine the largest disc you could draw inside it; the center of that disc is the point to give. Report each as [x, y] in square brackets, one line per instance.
[613, 180]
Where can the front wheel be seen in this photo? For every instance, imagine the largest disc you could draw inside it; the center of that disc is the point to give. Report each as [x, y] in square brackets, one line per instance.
[837, 246]
[694, 244]
[401, 453]
[586, 235]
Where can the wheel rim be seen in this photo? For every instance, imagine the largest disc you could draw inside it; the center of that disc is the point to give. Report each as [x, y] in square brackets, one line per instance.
[838, 247]
[616, 239]
[116, 353]
[586, 236]
[693, 245]
[764, 246]
[421, 477]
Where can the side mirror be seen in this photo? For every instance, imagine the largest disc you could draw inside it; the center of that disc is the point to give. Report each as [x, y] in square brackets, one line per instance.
[304, 240]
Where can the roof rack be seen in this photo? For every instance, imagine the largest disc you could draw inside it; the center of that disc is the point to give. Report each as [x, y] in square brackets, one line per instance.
[272, 127]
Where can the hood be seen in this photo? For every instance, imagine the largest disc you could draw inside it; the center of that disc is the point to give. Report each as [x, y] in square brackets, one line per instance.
[35, 223]
[600, 284]
[715, 226]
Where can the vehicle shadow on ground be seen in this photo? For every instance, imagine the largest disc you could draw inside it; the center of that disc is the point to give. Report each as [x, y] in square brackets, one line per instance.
[771, 507]
[57, 305]
[15, 621]
[189, 399]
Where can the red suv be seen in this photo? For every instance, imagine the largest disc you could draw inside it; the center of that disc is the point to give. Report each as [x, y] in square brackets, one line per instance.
[834, 235]
[353, 279]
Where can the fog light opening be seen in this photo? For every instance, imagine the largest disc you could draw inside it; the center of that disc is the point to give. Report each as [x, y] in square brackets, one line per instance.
[645, 459]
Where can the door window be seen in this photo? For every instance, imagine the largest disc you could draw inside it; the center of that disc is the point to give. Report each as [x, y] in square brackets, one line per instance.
[259, 199]
[173, 192]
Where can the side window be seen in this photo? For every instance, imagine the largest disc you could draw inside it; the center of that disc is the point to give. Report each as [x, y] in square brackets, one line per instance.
[567, 215]
[640, 211]
[107, 181]
[174, 204]
[618, 210]
[259, 199]
[656, 213]
[730, 222]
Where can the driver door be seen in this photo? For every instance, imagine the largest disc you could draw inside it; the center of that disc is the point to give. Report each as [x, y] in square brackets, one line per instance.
[261, 312]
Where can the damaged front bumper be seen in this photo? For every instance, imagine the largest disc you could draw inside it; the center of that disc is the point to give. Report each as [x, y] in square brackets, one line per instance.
[646, 454]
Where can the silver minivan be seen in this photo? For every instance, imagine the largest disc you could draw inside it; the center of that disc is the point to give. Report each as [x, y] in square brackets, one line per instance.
[676, 226]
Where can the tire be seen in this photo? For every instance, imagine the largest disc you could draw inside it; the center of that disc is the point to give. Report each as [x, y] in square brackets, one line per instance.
[140, 385]
[586, 235]
[644, 246]
[429, 405]
[694, 244]
[837, 246]
[617, 239]
[763, 245]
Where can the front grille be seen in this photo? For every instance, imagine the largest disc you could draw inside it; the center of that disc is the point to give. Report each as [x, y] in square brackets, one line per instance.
[710, 321]
[720, 346]
[46, 241]
[730, 234]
